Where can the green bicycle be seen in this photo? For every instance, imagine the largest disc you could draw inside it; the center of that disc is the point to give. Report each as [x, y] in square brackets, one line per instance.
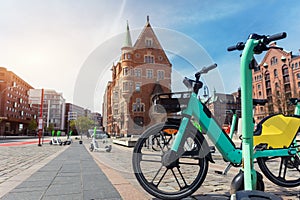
[171, 159]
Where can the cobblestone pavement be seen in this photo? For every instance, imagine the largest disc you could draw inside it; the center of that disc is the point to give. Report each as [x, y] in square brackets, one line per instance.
[214, 187]
[18, 162]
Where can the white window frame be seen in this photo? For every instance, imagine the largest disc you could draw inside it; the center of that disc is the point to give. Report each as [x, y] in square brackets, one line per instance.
[149, 73]
[160, 75]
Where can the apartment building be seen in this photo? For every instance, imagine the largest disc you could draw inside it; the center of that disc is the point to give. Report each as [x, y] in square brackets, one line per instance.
[15, 111]
[276, 78]
[53, 109]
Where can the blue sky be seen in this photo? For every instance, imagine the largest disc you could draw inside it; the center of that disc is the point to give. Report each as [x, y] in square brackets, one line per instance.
[48, 42]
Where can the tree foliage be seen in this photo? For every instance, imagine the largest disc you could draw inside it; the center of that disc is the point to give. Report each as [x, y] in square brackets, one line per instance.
[32, 125]
[82, 124]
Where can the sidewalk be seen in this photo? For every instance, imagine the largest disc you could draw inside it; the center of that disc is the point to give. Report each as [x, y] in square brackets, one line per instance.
[73, 174]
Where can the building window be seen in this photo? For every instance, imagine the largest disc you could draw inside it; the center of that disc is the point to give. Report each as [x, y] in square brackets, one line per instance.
[125, 86]
[298, 76]
[273, 60]
[149, 73]
[275, 73]
[125, 71]
[160, 75]
[138, 106]
[258, 86]
[285, 70]
[149, 59]
[261, 109]
[298, 84]
[137, 72]
[267, 75]
[137, 87]
[127, 56]
[149, 42]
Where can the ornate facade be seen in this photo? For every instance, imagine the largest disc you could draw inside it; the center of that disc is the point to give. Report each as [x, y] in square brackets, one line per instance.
[276, 78]
[142, 71]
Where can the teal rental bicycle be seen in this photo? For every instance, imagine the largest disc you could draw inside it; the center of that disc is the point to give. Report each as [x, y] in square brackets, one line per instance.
[171, 159]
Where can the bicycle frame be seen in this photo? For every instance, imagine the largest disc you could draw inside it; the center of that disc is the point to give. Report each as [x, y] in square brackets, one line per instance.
[220, 139]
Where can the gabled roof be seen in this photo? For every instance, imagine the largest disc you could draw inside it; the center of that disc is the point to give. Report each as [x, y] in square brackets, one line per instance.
[266, 57]
[147, 33]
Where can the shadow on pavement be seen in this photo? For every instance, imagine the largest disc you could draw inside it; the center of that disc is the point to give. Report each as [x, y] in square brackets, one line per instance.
[206, 197]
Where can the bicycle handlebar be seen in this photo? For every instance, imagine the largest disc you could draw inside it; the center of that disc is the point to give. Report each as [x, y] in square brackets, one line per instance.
[277, 36]
[239, 46]
[264, 40]
[204, 70]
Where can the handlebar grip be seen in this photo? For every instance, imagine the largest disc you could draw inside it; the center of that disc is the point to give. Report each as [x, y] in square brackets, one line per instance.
[232, 48]
[277, 36]
[204, 70]
[238, 46]
[211, 67]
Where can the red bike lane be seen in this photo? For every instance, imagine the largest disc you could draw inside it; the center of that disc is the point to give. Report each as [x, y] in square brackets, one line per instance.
[10, 144]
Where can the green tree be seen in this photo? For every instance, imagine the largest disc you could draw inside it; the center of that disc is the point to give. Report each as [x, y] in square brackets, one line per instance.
[72, 125]
[82, 124]
[32, 126]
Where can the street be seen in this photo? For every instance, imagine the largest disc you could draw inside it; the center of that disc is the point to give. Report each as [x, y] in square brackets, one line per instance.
[18, 162]
[215, 186]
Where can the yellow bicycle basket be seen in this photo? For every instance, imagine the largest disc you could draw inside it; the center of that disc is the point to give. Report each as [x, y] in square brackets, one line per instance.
[278, 131]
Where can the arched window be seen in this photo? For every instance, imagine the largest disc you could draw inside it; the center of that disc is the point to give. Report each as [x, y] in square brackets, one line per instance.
[285, 70]
[273, 60]
[275, 73]
[267, 75]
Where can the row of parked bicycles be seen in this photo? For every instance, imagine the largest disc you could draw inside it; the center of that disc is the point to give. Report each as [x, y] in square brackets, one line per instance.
[171, 159]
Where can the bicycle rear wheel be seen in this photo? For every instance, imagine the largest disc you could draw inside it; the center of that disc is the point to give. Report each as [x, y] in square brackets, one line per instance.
[283, 171]
[178, 180]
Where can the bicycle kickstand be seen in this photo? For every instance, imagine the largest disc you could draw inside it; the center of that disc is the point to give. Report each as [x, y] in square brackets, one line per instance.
[225, 170]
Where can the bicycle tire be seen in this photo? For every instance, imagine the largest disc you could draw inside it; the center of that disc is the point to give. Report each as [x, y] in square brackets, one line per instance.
[164, 187]
[283, 171]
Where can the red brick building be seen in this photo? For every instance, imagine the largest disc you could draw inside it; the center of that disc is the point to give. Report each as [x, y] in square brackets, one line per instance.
[142, 71]
[276, 78]
[15, 110]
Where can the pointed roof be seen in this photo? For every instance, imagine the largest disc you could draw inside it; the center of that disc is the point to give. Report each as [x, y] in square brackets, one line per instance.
[147, 33]
[127, 42]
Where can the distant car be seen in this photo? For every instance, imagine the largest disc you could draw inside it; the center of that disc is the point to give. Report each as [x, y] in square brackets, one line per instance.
[99, 134]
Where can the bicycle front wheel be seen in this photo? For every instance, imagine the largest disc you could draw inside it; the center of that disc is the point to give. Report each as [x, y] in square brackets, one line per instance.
[177, 180]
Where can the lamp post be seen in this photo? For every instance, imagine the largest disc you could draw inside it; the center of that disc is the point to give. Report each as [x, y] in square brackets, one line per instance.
[40, 125]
